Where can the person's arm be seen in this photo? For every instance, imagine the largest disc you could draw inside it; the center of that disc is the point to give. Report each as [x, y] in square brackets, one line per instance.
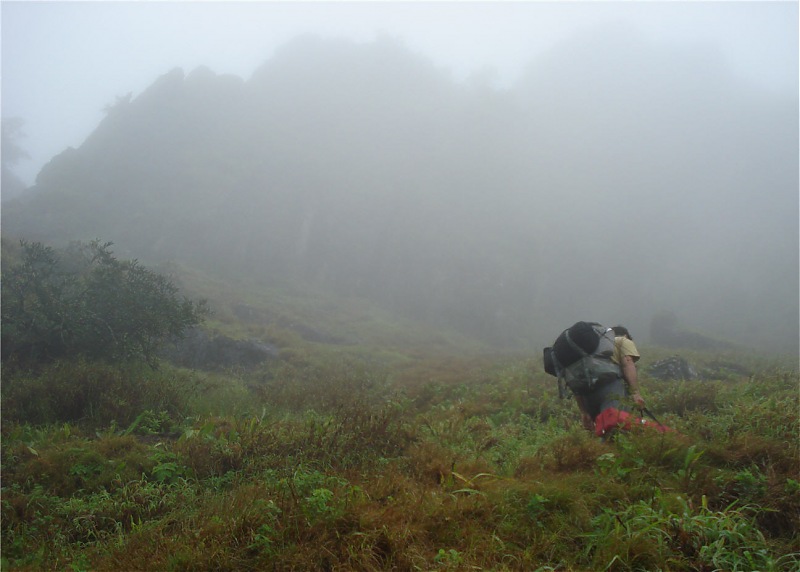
[631, 378]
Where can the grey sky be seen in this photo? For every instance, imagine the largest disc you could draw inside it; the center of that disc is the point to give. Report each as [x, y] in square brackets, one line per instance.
[63, 62]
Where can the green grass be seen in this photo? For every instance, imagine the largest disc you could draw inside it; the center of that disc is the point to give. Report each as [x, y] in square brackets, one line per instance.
[344, 461]
[303, 319]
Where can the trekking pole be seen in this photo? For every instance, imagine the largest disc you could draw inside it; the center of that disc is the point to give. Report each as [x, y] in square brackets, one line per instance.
[648, 412]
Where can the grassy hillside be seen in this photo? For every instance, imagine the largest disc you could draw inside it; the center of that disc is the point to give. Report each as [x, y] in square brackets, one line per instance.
[400, 239]
[368, 452]
[298, 316]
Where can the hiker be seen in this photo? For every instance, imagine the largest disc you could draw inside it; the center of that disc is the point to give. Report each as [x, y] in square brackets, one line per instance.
[612, 393]
[598, 365]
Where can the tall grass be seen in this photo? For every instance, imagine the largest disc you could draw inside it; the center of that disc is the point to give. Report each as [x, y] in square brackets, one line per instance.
[349, 463]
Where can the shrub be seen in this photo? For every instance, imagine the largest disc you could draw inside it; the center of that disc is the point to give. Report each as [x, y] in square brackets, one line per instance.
[682, 397]
[96, 394]
[85, 302]
[640, 536]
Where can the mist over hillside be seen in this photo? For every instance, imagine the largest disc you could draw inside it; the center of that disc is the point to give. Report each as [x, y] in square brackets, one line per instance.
[614, 181]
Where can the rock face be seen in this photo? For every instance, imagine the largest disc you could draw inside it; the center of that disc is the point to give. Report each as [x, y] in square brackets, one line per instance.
[674, 367]
[199, 350]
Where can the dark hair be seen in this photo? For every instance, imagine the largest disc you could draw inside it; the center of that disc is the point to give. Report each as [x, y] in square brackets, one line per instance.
[622, 331]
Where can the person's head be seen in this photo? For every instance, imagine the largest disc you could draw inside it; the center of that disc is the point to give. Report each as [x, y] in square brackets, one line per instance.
[622, 331]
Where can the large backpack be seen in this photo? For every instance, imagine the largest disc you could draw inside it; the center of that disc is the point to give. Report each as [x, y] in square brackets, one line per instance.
[582, 357]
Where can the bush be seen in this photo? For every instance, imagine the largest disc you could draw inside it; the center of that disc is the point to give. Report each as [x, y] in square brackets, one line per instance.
[95, 394]
[85, 302]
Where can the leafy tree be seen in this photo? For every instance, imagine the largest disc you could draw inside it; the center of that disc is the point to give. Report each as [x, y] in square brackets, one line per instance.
[87, 302]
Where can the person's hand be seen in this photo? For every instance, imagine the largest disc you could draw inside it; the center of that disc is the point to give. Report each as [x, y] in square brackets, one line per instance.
[638, 399]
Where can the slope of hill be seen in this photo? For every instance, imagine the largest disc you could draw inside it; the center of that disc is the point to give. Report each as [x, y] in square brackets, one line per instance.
[379, 231]
[612, 182]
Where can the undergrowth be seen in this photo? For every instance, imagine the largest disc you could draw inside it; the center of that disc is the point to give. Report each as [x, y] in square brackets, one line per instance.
[344, 463]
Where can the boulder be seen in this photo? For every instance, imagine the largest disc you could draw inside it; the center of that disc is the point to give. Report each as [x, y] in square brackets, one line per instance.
[674, 367]
[200, 350]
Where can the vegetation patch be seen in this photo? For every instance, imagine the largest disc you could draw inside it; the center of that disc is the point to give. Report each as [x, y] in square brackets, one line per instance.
[341, 459]
[476, 477]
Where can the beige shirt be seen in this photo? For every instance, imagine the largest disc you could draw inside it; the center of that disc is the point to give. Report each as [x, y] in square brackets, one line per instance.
[624, 347]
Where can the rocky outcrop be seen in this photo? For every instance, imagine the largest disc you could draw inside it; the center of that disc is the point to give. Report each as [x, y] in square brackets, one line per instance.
[201, 350]
[674, 367]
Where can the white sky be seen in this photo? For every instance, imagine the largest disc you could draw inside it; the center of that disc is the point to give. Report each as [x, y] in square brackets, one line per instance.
[62, 62]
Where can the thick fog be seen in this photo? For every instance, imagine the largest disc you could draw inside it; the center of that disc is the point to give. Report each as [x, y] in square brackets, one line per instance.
[521, 168]
[64, 62]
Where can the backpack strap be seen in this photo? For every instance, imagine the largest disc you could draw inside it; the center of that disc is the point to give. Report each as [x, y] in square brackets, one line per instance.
[562, 388]
[562, 382]
[553, 367]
